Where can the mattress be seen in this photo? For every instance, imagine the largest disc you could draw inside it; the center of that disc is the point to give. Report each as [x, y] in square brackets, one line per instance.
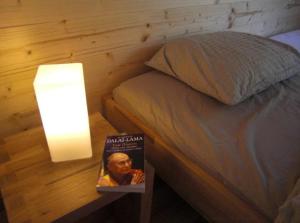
[290, 38]
[253, 146]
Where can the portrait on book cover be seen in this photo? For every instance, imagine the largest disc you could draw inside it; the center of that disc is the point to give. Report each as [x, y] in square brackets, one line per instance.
[120, 168]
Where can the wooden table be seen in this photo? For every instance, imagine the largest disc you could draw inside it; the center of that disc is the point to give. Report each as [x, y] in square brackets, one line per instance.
[36, 190]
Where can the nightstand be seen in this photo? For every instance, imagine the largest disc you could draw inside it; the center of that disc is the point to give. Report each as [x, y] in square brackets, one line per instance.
[36, 190]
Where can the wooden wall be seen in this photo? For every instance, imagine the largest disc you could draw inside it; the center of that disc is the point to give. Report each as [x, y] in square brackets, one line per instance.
[112, 38]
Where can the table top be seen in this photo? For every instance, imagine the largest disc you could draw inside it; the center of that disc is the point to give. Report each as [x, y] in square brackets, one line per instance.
[34, 189]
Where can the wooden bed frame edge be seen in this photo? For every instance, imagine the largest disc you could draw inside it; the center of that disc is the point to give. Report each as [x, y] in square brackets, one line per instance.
[213, 199]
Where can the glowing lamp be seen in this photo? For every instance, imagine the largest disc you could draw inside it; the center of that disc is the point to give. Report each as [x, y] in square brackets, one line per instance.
[60, 94]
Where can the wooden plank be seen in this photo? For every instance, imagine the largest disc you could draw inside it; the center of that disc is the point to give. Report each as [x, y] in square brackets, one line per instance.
[92, 41]
[100, 22]
[49, 11]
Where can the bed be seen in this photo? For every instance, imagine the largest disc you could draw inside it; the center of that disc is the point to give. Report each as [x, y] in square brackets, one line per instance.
[231, 152]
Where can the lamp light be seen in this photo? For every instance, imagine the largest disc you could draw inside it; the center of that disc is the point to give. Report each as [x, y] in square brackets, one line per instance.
[61, 98]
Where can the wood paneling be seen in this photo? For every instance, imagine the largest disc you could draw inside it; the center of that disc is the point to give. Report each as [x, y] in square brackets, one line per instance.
[112, 38]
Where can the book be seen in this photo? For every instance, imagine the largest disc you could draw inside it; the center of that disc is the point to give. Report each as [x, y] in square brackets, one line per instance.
[122, 165]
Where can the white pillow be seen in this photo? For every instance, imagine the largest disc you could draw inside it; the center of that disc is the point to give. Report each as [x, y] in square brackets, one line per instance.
[290, 38]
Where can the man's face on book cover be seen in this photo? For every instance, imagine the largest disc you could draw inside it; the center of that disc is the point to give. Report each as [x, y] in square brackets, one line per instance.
[119, 163]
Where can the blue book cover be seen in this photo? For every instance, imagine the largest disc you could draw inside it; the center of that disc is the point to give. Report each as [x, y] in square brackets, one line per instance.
[122, 168]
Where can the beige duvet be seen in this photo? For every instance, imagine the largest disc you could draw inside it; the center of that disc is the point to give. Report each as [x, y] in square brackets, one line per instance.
[253, 146]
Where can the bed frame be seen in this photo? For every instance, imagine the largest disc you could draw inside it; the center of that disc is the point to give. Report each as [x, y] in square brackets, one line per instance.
[210, 197]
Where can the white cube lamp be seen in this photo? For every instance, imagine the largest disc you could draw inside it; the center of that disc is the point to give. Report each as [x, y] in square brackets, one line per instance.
[60, 94]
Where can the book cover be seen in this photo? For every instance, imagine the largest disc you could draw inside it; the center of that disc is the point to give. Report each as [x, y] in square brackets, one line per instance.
[122, 168]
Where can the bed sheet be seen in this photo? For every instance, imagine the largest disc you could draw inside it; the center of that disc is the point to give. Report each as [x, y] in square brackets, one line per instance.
[253, 146]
